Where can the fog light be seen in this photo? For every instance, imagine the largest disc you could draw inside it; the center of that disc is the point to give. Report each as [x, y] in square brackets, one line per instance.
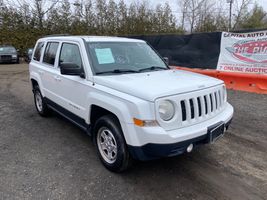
[189, 148]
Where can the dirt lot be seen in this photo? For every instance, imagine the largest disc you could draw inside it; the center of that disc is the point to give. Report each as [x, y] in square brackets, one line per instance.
[49, 158]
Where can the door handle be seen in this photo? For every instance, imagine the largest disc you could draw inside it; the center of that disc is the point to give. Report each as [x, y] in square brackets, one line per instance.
[57, 78]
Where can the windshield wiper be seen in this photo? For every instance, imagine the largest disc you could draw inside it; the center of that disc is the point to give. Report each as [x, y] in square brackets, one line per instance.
[152, 68]
[118, 71]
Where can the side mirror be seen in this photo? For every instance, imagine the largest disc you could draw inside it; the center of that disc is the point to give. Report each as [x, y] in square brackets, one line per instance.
[166, 60]
[71, 69]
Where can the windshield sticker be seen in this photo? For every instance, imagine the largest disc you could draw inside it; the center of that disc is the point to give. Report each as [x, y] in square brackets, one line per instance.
[104, 56]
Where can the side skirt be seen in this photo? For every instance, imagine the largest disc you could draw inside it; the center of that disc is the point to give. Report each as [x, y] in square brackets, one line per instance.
[78, 121]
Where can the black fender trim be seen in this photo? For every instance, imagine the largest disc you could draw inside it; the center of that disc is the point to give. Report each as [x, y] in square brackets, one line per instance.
[78, 121]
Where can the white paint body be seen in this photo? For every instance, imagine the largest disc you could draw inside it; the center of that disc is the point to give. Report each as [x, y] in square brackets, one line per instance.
[129, 96]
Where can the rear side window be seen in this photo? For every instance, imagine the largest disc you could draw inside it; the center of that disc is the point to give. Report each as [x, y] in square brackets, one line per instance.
[38, 51]
[50, 53]
[70, 53]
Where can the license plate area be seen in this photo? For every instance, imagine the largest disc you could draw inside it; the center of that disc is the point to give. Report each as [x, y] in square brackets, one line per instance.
[215, 132]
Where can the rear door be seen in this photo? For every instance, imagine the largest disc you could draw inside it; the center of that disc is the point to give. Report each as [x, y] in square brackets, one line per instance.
[47, 69]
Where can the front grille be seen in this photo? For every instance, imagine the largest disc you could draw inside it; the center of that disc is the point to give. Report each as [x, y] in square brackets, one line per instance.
[194, 107]
[6, 57]
[200, 106]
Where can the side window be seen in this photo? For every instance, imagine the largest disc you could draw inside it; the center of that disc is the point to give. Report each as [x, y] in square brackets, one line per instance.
[50, 53]
[38, 51]
[70, 53]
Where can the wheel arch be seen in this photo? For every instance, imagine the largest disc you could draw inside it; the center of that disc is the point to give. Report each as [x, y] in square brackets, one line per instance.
[98, 111]
[104, 105]
[36, 80]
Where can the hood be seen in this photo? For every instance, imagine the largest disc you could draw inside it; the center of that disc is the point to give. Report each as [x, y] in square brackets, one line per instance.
[152, 85]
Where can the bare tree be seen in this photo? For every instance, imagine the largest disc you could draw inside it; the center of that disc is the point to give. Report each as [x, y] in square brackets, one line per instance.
[241, 10]
[38, 8]
[41, 8]
[89, 16]
[183, 5]
[192, 11]
[1, 11]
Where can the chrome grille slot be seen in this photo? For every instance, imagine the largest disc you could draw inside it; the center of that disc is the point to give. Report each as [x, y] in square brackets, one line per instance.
[216, 100]
[188, 110]
[206, 104]
[220, 97]
[211, 103]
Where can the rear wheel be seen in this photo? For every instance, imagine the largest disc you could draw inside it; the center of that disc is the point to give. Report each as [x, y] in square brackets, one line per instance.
[111, 147]
[39, 102]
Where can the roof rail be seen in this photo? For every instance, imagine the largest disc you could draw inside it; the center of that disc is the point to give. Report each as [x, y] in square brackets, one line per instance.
[57, 35]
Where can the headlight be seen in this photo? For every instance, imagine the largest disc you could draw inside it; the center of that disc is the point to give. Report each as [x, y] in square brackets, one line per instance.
[14, 56]
[166, 110]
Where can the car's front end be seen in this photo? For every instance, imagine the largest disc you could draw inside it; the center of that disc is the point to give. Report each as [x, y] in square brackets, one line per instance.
[28, 55]
[182, 123]
[179, 111]
[8, 54]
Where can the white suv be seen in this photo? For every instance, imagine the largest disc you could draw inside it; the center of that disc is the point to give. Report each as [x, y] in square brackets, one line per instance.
[122, 93]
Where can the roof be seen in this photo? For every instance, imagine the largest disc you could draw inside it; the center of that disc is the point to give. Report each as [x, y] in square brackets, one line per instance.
[93, 38]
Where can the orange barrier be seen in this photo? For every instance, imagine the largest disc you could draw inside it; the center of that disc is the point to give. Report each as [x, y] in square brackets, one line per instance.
[256, 83]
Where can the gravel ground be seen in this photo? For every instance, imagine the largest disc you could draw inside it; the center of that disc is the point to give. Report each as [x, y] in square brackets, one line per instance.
[49, 158]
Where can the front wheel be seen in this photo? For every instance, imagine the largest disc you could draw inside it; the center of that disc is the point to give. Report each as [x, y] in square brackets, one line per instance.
[111, 147]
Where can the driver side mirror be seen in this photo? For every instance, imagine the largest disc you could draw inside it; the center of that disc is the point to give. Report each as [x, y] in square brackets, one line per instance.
[166, 60]
[71, 69]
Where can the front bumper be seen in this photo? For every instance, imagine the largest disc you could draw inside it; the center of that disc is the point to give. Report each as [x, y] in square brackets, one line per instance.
[155, 151]
[162, 143]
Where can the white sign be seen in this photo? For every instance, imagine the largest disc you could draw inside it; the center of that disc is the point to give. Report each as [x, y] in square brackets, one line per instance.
[243, 52]
[104, 56]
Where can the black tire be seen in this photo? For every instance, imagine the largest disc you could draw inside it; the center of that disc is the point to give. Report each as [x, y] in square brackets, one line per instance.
[123, 159]
[40, 106]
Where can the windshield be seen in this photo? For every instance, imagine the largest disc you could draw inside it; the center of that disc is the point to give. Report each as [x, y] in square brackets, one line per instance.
[7, 50]
[124, 57]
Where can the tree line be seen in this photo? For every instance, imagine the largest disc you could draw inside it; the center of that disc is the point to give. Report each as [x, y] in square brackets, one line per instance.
[213, 15]
[22, 23]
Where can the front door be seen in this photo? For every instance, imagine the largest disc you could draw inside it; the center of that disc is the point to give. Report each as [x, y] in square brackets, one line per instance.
[71, 90]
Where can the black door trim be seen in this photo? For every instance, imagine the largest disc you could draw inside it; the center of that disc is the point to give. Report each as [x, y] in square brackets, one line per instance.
[78, 121]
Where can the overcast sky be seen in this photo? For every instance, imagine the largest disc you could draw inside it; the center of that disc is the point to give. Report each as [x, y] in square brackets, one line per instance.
[177, 12]
[174, 4]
